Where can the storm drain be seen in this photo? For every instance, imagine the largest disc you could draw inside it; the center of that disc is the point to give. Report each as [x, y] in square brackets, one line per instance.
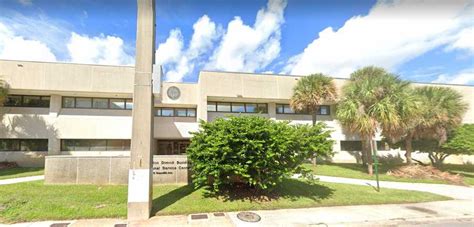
[59, 224]
[198, 216]
[249, 217]
[120, 225]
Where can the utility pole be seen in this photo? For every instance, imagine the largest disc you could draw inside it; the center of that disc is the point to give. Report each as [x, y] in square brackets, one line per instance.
[140, 173]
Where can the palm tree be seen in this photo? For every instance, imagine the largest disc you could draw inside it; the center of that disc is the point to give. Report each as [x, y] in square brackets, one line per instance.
[312, 91]
[410, 108]
[444, 112]
[371, 102]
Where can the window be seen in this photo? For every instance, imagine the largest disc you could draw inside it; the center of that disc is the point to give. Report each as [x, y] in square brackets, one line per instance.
[324, 110]
[223, 107]
[95, 145]
[129, 104]
[167, 112]
[69, 102]
[212, 106]
[351, 145]
[117, 104]
[23, 145]
[191, 113]
[237, 107]
[97, 103]
[85, 103]
[27, 101]
[174, 112]
[172, 147]
[286, 109]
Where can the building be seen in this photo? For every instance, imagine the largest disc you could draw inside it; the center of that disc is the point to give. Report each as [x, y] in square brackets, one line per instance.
[85, 110]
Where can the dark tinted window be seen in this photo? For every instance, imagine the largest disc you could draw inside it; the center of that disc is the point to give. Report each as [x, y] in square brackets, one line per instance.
[27, 101]
[23, 145]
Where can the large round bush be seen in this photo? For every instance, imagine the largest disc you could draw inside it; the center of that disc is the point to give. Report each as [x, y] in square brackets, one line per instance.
[253, 150]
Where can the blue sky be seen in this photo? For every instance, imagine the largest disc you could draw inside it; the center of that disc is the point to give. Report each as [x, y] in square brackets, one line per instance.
[425, 42]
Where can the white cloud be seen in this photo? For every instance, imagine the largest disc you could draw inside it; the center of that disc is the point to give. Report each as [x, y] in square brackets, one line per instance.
[246, 48]
[464, 41]
[26, 2]
[170, 50]
[178, 62]
[392, 33]
[16, 47]
[108, 50]
[464, 77]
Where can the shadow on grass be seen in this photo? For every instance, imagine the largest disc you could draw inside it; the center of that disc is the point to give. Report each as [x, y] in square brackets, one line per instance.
[171, 197]
[291, 189]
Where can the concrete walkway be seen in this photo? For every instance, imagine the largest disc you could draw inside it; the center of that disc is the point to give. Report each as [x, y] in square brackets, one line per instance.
[21, 180]
[453, 191]
[443, 213]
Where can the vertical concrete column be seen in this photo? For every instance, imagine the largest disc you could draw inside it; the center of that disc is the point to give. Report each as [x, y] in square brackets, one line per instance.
[139, 176]
[54, 143]
[272, 110]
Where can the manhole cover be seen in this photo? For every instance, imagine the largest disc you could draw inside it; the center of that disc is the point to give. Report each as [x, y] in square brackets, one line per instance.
[249, 217]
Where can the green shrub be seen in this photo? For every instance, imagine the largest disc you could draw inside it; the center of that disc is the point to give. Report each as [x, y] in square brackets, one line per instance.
[253, 150]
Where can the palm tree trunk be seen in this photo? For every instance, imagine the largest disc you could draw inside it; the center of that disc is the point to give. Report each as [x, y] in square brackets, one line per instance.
[409, 148]
[370, 168]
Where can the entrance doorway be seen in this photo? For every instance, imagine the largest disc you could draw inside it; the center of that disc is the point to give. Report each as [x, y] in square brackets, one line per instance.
[172, 147]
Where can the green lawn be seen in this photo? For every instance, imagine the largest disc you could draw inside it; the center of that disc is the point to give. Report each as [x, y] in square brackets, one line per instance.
[20, 172]
[352, 170]
[35, 201]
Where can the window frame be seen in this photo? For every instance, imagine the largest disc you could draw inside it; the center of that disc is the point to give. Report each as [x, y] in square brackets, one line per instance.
[159, 111]
[125, 101]
[299, 112]
[20, 145]
[125, 145]
[22, 101]
[257, 106]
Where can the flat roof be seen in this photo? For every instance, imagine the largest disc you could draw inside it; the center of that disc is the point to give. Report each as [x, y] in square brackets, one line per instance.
[214, 71]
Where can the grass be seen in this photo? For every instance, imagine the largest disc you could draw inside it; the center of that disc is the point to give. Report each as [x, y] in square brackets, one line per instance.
[20, 172]
[34, 201]
[352, 170]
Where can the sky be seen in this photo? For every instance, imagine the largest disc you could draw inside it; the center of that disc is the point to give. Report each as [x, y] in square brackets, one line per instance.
[419, 40]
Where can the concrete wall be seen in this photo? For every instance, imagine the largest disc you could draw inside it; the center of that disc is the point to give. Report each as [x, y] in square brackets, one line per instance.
[86, 170]
[67, 169]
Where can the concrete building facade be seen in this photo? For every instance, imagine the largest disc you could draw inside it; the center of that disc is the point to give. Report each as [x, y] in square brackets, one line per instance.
[77, 110]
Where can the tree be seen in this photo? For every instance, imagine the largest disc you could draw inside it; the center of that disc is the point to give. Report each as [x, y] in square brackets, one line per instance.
[372, 100]
[253, 150]
[410, 108]
[444, 112]
[3, 91]
[312, 91]
[460, 141]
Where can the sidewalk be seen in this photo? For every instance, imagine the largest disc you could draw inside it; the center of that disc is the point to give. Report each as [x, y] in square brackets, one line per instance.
[453, 212]
[21, 180]
[453, 191]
